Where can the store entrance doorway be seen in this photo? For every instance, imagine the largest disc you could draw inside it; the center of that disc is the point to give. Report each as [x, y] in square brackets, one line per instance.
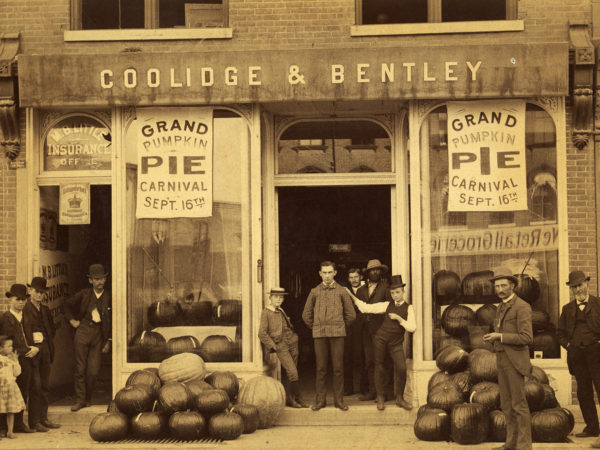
[345, 224]
[66, 252]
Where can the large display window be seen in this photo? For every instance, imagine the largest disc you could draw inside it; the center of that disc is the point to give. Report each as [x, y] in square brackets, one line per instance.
[463, 248]
[188, 278]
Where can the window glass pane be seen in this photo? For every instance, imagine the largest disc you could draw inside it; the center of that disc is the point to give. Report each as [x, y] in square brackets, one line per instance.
[112, 14]
[399, 11]
[467, 247]
[185, 276]
[467, 10]
[77, 143]
[334, 147]
[191, 13]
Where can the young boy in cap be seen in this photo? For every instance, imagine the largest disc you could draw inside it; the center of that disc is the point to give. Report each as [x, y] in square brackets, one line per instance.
[389, 337]
[277, 335]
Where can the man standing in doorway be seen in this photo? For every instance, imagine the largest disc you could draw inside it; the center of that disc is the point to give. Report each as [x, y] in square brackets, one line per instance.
[353, 359]
[12, 325]
[511, 338]
[328, 312]
[89, 312]
[39, 330]
[579, 333]
[375, 290]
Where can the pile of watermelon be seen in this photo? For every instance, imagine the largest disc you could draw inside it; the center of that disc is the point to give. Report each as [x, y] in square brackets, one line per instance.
[180, 400]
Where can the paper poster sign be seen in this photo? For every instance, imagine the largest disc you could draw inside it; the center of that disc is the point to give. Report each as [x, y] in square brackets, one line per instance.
[74, 204]
[486, 156]
[175, 167]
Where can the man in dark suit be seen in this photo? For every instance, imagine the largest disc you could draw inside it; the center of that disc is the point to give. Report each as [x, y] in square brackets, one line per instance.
[375, 290]
[12, 325]
[353, 360]
[39, 329]
[511, 338]
[90, 312]
[579, 332]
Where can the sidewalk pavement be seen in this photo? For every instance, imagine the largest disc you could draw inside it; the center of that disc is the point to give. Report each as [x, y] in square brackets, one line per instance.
[279, 437]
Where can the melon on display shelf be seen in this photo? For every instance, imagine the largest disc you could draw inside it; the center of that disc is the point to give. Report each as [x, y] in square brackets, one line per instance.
[432, 425]
[174, 396]
[145, 377]
[469, 423]
[226, 425]
[109, 426]
[134, 399]
[148, 425]
[182, 367]
[187, 425]
[249, 414]
[225, 380]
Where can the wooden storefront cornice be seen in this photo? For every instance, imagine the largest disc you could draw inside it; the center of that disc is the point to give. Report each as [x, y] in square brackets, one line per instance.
[9, 123]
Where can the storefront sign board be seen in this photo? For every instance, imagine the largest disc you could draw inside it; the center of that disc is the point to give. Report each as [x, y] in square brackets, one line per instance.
[486, 156]
[74, 204]
[175, 162]
[221, 77]
[536, 238]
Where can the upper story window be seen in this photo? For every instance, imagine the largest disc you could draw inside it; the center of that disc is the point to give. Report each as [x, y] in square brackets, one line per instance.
[132, 14]
[422, 11]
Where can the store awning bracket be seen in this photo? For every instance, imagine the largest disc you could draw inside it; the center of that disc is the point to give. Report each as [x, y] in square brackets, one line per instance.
[583, 82]
[10, 140]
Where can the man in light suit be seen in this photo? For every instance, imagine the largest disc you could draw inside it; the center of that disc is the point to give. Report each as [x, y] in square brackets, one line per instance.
[511, 338]
[579, 332]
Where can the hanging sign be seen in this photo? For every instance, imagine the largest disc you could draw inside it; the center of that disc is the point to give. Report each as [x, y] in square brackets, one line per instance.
[486, 156]
[74, 204]
[175, 149]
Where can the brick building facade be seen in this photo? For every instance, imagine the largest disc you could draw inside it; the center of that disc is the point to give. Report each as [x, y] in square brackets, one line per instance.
[67, 72]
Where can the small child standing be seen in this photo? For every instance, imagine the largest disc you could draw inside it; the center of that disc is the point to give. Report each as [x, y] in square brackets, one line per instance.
[277, 335]
[11, 400]
[389, 337]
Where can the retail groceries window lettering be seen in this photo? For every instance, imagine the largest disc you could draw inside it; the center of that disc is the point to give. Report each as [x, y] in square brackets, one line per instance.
[392, 72]
[464, 244]
[370, 12]
[139, 14]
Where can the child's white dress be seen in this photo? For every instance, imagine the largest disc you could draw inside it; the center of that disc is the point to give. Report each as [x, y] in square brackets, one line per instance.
[11, 400]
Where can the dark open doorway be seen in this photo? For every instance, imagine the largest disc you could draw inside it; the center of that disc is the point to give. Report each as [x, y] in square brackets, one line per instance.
[347, 225]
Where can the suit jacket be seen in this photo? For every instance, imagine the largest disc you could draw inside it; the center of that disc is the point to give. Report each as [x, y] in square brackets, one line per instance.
[10, 326]
[380, 294]
[270, 331]
[76, 306]
[515, 325]
[47, 324]
[328, 311]
[566, 322]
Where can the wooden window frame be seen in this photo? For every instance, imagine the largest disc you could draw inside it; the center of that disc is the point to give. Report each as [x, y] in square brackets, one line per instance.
[434, 11]
[151, 17]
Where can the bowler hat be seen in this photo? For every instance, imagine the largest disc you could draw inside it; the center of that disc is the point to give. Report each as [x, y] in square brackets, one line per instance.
[577, 277]
[504, 272]
[39, 284]
[396, 282]
[375, 264]
[278, 291]
[17, 290]
[97, 271]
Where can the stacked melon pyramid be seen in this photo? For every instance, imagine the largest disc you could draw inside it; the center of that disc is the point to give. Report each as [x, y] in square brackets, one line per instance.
[179, 400]
[463, 402]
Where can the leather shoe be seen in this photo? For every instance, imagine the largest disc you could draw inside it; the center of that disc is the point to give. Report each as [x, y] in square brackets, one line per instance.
[342, 406]
[585, 433]
[380, 403]
[48, 424]
[77, 406]
[366, 397]
[317, 406]
[40, 428]
[23, 429]
[401, 403]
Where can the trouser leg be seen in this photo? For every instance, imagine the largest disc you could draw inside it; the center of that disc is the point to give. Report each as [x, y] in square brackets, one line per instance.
[93, 364]
[397, 354]
[321, 360]
[585, 388]
[287, 362]
[348, 361]
[36, 405]
[45, 365]
[357, 358]
[369, 358]
[379, 350]
[336, 346]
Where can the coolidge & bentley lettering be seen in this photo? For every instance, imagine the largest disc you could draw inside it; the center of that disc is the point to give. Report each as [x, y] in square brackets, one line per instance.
[390, 72]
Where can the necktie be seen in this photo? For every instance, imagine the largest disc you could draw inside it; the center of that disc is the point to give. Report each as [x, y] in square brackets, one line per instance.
[581, 305]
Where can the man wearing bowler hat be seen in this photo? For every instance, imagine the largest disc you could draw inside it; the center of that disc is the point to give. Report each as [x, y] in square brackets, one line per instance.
[511, 338]
[89, 312]
[375, 290]
[12, 325]
[39, 330]
[579, 332]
